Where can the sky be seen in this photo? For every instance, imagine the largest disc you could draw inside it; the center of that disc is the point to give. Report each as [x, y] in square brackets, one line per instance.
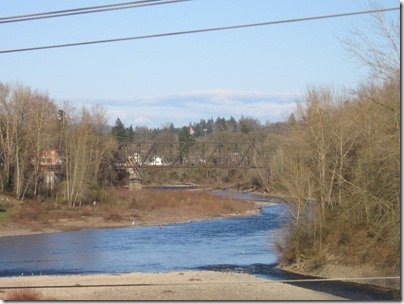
[256, 72]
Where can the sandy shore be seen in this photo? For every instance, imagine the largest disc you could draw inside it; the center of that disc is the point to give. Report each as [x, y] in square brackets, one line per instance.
[189, 285]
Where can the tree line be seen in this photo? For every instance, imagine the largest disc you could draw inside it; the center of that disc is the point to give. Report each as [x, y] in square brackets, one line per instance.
[31, 124]
[212, 128]
[339, 164]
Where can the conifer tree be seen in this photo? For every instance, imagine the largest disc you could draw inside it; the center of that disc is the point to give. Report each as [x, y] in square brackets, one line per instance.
[119, 132]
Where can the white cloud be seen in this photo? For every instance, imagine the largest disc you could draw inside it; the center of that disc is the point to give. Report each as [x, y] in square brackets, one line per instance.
[192, 106]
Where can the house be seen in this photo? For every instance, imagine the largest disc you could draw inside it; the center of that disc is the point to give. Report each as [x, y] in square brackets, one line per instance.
[51, 157]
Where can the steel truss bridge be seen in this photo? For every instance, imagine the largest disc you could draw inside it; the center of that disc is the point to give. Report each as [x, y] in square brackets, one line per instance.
[209, 155]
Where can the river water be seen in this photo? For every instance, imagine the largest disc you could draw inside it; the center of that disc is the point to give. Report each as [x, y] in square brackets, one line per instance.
[243, 244]
[236, 241]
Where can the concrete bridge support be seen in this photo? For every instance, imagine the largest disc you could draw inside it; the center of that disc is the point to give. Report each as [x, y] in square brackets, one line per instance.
[51, 180]
[135, 180]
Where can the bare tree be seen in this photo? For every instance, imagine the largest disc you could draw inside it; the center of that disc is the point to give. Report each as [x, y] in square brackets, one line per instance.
[377, 47]
[27, 121]
[15, 108]
[86, 145]
[6, 137]
[42, 123]
[349, 148]
[291, 179]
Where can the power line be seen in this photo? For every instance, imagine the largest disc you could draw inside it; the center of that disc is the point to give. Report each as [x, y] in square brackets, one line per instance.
[196, 31]
[203, 283]
[75, 10]
[86, 10]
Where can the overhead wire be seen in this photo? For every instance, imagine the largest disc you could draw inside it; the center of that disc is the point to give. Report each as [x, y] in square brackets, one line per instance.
[76, 9]
[86, 10]
[261, 282]
[187, 32]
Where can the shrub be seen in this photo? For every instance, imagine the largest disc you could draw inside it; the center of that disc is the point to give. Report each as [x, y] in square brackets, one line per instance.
[106, 195]
[137, 201]
[5, 217]
[27, 212]
[87, 211]
[345, 238]
[112, 215]
[228, 206]
[26, 295]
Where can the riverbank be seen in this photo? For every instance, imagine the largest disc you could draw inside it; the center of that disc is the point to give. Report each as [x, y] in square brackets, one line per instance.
[98, 222]
[125, 209]
[188, 285]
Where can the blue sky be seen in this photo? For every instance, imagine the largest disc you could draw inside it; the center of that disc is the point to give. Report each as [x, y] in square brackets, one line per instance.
[258, 72]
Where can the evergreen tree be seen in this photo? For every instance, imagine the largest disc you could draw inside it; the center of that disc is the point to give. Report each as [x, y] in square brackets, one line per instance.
[185, 135]
[186, 140]
[119, 132]
[130, 133]
[232, 123]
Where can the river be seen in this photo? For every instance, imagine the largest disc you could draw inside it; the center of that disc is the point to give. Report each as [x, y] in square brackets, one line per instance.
[244, 244]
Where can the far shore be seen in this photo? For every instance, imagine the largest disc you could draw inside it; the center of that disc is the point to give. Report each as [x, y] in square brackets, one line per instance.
[148, 219]
[95, 221]
[92, 223]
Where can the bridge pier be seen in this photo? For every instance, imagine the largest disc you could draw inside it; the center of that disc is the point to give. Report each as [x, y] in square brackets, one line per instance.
[135, 180]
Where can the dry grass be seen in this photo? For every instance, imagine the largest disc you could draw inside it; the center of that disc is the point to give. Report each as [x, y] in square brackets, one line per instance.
[26, 295]
[359, 244]
[27, 213]
[350, 245]
[187, 202]
[87, 211]
[119, 205]
[112, 215]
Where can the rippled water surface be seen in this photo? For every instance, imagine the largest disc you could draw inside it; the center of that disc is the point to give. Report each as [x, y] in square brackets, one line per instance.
[240, 241]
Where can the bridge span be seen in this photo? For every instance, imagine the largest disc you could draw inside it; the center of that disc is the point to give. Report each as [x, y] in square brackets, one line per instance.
[223, 155]
[192, 155]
